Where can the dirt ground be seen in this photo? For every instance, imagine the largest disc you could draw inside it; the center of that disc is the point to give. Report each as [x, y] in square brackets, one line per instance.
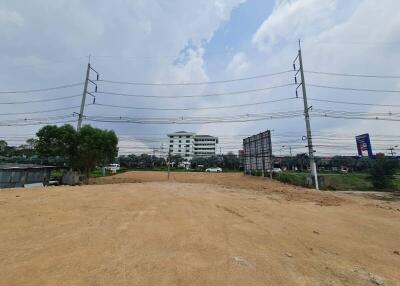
[196, 229]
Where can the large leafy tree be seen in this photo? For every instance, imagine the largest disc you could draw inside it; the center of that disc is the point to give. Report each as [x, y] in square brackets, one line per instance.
[82, 150]
[95, 147]
[54, 141]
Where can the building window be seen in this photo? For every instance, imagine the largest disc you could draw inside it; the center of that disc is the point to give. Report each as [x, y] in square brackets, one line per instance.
[179, 146]
[180, 141]
[171, 141]
[187, 141]
[171, 146]
[179, 151]
[188, 136]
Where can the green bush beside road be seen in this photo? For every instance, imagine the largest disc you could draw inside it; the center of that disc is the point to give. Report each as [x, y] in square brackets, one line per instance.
[355, 181]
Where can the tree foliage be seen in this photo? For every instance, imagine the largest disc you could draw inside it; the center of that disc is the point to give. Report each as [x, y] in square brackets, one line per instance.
[226, 162]
[382, 172]
[143, 161]
[56, 141]
[82, 150]
[94, 147]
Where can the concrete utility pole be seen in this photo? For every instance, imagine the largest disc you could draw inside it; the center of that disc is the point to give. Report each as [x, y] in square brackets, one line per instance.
[86, 92]
[169, 163]
[313, 166]
[83, 102]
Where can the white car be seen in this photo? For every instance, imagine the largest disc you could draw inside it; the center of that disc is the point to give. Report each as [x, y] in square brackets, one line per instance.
[214, 170]
[276, 170]
[113, 168]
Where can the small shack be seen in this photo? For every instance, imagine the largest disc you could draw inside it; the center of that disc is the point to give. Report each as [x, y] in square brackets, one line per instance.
[23, 175]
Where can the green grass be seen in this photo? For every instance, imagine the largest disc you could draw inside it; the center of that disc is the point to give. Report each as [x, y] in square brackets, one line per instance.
[347, 182]
[335, 181]
[294, 178]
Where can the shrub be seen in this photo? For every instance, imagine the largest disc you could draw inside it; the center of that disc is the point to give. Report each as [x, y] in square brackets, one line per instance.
[382, 172]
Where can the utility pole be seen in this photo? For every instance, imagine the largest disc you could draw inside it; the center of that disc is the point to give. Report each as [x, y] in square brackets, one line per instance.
[169, 163]
[391, 149]
[313, 166]
[83, 102]
[85, 92]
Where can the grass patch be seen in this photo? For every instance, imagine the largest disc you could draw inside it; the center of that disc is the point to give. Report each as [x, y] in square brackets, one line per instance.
[355, 181]
[293, 178]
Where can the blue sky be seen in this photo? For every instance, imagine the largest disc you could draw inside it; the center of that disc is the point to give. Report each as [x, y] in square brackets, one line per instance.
[235, 34]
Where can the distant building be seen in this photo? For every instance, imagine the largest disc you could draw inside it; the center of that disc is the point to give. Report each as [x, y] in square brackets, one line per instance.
[205, 145]
[189, 145]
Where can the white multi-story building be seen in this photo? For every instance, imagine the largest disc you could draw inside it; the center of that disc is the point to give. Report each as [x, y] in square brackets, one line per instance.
[205, 145]
[189, 145]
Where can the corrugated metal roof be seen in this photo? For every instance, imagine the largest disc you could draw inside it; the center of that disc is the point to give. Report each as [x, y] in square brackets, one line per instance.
[6, 166]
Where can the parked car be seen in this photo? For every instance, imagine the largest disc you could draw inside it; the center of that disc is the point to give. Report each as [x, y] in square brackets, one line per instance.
[113, 168]
[276, 170]
[214, 170]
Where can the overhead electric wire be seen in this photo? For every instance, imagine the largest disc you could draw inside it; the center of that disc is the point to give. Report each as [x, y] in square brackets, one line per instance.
[40, 100]
[39, 123]
[197, 120]
[198, 95]
[356, 117]
[354, 103]
[56, 117]
[42, 89]
[353, 89]
[42, 111]
[196, 83]
[346, 112]
[352, 75]
[193, 108]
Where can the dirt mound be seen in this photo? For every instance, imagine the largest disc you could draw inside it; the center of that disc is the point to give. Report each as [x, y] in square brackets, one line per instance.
[231, 180]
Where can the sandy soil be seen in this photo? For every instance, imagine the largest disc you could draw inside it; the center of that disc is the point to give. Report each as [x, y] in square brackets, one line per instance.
[196, 229]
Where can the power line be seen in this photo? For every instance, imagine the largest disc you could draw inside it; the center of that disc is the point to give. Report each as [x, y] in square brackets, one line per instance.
[356, 117]
[198, 95]
[198, 120]
[355, 103]
[41, 111]
[40, 100]
[196, 83]
[354, 89]
[56, 117]
[353, 75]
[40, 123]
[193, 108]
[42, 89]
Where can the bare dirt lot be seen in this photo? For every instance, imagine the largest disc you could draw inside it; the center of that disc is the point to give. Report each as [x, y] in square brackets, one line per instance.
[197, 229]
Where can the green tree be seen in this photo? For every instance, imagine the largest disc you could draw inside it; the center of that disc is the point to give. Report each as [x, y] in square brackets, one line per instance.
[95, 147]
[363, 164]
[82, 150]
[54, 141]
[3, 145]
[382, 172]
[302, 161]
[343, 161]
[31, 143]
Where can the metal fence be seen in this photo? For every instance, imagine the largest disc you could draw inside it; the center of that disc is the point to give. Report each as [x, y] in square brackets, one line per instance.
[257, 153]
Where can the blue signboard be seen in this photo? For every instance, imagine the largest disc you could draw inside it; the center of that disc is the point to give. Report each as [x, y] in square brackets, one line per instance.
[364, 145]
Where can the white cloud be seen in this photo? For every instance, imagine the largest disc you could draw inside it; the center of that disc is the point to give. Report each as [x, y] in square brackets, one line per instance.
[139, 41]
[10, 19]
[292, 19]
[239, 65]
